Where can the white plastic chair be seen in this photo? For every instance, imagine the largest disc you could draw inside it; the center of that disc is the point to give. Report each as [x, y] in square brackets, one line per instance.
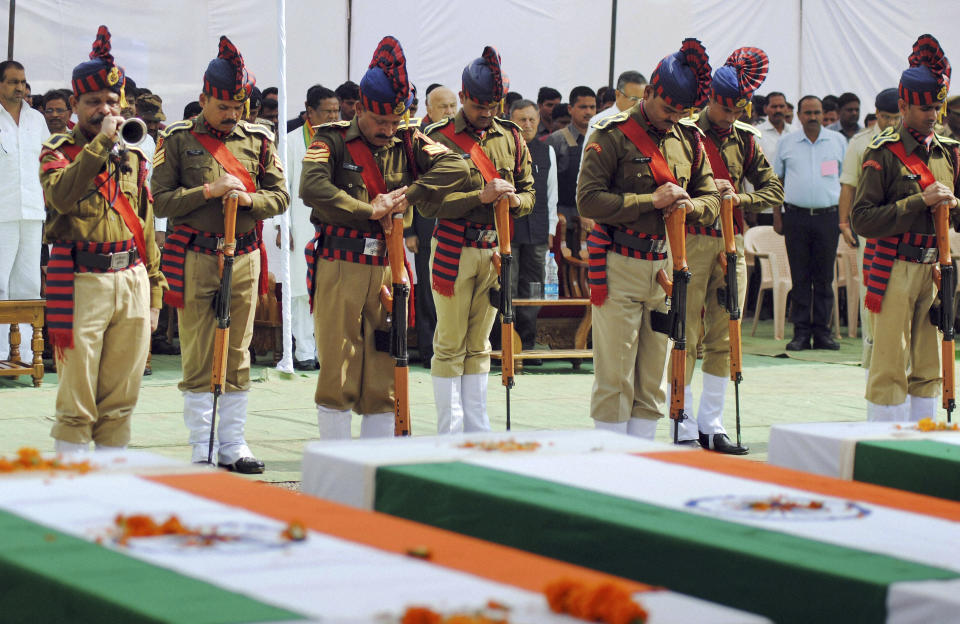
[847, 274]
[771, 255]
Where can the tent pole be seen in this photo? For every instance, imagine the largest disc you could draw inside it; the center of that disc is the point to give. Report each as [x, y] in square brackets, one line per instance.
[13, 14]
[613, 40]
[285, 364]
[349, 33]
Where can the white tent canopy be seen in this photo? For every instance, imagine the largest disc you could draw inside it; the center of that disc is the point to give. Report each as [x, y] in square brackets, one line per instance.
[815, 46]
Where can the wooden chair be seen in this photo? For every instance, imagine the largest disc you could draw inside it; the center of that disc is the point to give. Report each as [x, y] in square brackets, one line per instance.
[770, 254]
[268, 321]
[571, 267]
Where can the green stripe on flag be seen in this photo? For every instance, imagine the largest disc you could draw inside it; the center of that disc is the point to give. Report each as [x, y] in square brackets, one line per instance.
[922, 466]
[786, 578]
[49, 576]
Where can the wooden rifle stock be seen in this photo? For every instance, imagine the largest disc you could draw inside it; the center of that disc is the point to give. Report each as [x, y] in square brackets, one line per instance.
[948, 287]
[398, 328]
[677, 238]
[221, 340]
[731, 299]
[502, 221]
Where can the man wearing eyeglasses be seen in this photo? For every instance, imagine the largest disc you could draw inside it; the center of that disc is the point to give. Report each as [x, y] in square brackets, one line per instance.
[629, 91]
[56, 111]
[22, 131]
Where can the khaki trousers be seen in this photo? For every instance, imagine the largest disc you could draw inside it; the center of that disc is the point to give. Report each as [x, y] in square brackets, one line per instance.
[198, 324]
[906, 348]
[706, 277]
[99, 378]
[629, 358]
[346, 311]
[461, 341]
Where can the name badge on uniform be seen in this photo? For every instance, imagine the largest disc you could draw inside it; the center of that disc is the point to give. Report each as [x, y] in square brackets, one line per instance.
[352, 167]
[913, 177]
[195, 152]
[641, 159]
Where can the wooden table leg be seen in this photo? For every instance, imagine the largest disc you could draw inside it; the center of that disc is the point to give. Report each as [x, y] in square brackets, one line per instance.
[14, 342]
[37, 346]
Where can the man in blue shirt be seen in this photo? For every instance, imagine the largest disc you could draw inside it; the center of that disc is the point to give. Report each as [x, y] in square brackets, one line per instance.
[809, 163]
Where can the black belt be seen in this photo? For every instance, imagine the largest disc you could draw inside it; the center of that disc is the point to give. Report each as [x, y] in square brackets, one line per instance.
[365, 246]
[477, 235]
[920, 255]
[645, 245]
[809, 211]
[116, 261]
[216, 243]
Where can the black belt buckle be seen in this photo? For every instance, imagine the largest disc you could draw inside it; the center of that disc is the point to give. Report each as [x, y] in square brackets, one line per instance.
[120, 260]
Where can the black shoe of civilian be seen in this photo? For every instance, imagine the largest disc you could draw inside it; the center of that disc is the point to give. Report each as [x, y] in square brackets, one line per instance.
[306, 365]
[799, 343]
[826, 342]
[160, 346]
[533, 362]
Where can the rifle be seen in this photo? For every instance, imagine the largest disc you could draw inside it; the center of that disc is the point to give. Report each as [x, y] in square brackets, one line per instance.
[397, 302]
[221, 307]
[674, 322]
[730, 299]
[502, 220]
[947, 285]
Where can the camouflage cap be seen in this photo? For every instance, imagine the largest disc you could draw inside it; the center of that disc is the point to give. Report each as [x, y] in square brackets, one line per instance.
[150, 107]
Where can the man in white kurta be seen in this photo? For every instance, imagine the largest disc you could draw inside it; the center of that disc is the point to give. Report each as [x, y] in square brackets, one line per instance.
[322, 107]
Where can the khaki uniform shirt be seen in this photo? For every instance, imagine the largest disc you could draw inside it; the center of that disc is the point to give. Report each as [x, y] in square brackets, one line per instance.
[332, 186]
[888, 200]
[616, 183]
[852, 162]
[78, 212]
[767, 187]
[182, 166]
[500, 146]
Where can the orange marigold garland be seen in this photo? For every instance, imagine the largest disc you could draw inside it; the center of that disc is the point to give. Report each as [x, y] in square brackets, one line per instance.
[505, 446]
[493, 613]
[30, 459]
[141, 525]
[604, 602]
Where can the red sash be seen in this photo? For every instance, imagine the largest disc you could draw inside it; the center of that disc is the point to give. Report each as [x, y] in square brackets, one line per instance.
[639, 137]
[232, 166]
[373, 180]
[913, 163]
[720, 170]
[465, 142]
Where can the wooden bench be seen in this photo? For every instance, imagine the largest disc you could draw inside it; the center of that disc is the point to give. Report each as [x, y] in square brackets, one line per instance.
[579, 350]
[23, 311]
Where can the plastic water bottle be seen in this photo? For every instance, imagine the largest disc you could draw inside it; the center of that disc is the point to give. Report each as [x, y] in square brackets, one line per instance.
[551, 287]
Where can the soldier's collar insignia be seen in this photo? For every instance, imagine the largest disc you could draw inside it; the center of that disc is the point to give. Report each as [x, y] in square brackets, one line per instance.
[114, 76]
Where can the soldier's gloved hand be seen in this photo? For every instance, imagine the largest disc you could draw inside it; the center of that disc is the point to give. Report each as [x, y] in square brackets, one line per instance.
[494, 189]
[667, 195]
[936, 193]
[726, 188]
[110, 125]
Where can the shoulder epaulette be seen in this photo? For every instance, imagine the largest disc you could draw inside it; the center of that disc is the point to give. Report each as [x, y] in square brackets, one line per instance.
[947, 140]
[56, 140]
[333, 124]
[611, 121]
[437, 124]
[138, 150]
[747, 128]
[508, 124]
[186, 124]
[887, 136]
[413, 122]
[691, 123]
[256, 128]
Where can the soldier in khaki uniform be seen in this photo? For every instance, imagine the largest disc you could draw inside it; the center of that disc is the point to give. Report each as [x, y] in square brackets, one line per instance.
[464, 239]
[104, 285]
[619, 189]
[347, 259]
[907, 170]
[198, 163]
[735, 156]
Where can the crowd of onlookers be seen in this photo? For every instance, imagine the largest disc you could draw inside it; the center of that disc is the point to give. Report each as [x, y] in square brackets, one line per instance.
[555, 130]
